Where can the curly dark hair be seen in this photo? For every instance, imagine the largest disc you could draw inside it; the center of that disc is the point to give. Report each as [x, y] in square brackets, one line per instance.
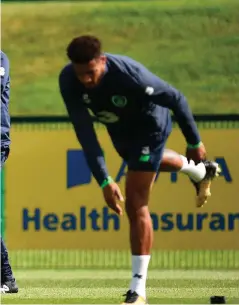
[83, 49]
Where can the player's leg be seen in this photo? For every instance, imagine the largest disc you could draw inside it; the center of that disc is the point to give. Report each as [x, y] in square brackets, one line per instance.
[200, 175]
[138, 188]
[8, 282]
[142, 170]
[139, 181]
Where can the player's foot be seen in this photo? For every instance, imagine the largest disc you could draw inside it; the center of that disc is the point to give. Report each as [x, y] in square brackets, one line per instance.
[134, 298]
[203, 186]
[9, 287]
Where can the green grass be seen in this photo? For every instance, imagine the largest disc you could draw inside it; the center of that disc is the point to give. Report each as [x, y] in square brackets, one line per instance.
[107, 287]
[192, 44]
[98, 259]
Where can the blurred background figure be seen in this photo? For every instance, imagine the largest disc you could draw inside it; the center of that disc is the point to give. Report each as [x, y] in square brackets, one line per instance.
[8, 283]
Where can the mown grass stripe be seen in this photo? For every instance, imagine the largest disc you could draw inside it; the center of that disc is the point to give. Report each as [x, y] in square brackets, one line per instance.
[95, 293]
[108, 283]
[113, 301]
[126, 274]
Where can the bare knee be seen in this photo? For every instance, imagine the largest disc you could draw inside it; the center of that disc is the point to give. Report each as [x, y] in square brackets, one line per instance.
[136, 206]
[171, 161]
[138, 188]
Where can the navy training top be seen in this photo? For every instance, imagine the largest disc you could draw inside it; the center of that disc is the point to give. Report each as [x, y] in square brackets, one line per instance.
[130, 101]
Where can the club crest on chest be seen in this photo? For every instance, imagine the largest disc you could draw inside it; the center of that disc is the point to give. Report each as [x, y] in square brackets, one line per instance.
[119, 101]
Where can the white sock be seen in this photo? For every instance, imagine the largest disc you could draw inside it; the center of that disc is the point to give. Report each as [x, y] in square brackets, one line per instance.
[195, 172]
[139, 274]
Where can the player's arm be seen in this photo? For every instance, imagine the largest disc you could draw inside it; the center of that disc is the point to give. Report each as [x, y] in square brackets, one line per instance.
[86, 135]
[84, 129]
[153, 89]
[159, 92]
[166, 96]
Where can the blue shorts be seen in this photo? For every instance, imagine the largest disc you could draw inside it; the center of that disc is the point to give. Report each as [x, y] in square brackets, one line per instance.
[142, 155]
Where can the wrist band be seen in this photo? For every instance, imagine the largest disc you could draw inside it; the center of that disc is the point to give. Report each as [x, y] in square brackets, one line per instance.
[194, 146]
[106, 182]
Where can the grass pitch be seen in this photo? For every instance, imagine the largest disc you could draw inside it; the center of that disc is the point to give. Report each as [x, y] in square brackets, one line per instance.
[192, 44]
[107, 286]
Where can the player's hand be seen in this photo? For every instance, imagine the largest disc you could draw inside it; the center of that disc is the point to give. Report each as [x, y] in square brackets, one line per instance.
[196, 154]
[112, 195]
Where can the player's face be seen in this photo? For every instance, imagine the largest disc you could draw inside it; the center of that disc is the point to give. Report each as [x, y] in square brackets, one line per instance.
[90, 74]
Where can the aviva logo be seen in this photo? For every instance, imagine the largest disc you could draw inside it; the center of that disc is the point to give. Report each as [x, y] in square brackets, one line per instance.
[78, 172]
